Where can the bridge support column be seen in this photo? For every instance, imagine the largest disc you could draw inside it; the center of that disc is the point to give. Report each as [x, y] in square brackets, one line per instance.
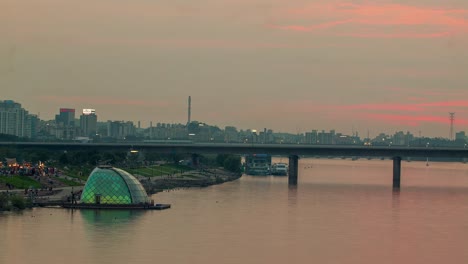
[396, 172]
[195, 160]
[293, 169]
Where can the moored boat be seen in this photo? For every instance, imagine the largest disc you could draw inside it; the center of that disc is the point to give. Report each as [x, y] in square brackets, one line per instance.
[258, 164]
[280, 169]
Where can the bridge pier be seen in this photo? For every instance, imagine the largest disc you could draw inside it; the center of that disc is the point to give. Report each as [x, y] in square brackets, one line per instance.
[195, 160]
[293, 169]
[396, 172]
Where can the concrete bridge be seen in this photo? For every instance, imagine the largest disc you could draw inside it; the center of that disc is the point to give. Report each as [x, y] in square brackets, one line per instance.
[293, 151]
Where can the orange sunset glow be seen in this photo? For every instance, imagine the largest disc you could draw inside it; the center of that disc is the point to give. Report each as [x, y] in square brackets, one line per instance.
[290, 66]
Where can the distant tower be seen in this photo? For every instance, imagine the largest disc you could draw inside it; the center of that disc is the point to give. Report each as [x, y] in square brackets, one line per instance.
[189, 109]
[452, 118]
[151, 129]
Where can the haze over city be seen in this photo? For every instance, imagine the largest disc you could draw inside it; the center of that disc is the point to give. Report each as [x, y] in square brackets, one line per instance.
[291, 66]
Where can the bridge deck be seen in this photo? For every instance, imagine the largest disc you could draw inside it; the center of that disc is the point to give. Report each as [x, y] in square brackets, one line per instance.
[236, 148]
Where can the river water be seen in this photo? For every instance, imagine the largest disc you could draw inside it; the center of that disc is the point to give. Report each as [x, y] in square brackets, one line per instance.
[341, 211]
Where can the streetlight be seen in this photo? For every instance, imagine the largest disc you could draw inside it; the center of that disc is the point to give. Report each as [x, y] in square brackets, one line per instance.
[133, 158]
[464, 159]
[427, 158]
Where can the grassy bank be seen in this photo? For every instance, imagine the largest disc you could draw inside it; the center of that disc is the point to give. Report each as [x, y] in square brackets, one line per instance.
[20, 182]
[72, 176]
[9, 202]
[154, 178]
[159, 170]
[188, 180]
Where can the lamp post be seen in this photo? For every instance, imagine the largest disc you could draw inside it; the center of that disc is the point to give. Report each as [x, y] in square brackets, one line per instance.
[191, 137]
[427, 158]
[464, 159]
[134, 157]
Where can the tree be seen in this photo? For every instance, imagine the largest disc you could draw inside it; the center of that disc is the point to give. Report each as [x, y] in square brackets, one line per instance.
[220, 159]
[64, 160]
[232, 163]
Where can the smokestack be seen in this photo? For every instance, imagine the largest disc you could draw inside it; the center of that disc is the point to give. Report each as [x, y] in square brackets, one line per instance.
[189, 109]
[452, 118]
[151, 129]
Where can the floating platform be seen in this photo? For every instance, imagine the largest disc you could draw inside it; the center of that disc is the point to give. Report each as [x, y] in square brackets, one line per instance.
[112, 206]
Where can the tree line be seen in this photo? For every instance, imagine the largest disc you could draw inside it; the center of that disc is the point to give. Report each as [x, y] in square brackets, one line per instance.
[114, 158]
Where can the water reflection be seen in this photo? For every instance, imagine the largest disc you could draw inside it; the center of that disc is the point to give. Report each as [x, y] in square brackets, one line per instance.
[292, 195]
[395, 199]
[108, 223]
[107, 231]
[341, 212]
[396, 209]
[109, 217]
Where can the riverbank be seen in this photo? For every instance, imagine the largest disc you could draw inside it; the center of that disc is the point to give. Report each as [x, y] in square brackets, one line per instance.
[13, 202]
[190, 179]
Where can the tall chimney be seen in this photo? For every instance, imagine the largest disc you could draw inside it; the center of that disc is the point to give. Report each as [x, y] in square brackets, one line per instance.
[189, 109]
[452, 118]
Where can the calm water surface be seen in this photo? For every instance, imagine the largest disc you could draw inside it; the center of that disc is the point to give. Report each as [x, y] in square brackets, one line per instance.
[341, 212]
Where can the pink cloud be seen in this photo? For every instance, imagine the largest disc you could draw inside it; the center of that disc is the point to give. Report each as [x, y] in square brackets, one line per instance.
[414, 106]
[313, 27]
[85, 100]
[412, 120]
[459, 103]
[181, 43]
[375, 20]
[399, 35]
[409, 107]
[408, 114]
[411, 114]
[384, 107]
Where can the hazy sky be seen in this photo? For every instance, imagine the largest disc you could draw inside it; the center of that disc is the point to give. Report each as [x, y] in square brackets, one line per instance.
[291, 66]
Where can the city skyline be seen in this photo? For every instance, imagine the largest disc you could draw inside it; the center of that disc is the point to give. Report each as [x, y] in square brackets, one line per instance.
[86, 119]
[289, 66]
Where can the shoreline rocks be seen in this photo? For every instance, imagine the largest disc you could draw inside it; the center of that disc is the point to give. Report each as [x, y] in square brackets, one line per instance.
[189, 180]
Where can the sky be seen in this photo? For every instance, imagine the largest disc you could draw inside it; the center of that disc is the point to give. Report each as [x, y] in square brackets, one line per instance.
[291, 66]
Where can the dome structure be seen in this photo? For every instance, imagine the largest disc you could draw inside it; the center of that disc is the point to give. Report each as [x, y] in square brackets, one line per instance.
[109, 185]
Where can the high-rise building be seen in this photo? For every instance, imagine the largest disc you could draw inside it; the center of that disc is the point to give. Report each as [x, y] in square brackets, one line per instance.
[88, 123]
[120, 129]
[230, 134]
[460, 136]
[65, 124]
[311, 137]
[66, 117]
[15, 120]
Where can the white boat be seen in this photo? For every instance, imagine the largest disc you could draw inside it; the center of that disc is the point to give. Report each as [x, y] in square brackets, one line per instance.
[279, 169]
[258, 164]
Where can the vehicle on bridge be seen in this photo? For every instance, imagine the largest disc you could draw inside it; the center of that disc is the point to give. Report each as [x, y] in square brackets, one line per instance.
[258, 164]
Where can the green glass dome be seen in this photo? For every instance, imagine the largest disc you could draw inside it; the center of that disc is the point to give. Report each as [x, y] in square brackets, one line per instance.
[109, 185]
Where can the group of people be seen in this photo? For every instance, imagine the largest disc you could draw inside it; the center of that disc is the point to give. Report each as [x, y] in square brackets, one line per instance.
[74, 197]
[29, 171]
